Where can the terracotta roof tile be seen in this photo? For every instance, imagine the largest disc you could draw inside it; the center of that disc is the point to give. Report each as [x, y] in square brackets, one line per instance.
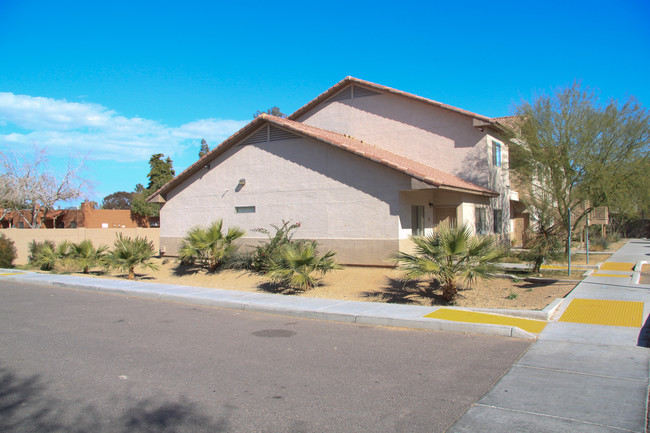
[425, 173]
[351, 80]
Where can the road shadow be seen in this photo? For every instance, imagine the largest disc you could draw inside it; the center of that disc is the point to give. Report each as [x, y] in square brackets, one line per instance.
[398, 291]
[25, 406]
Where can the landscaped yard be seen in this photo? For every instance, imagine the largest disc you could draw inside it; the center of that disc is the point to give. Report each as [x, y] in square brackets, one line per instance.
[368, 284]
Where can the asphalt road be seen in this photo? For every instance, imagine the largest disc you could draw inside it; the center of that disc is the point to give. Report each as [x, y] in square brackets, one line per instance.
[74, 361]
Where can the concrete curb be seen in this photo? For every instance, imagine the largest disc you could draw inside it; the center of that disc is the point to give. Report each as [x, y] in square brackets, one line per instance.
[368, 313]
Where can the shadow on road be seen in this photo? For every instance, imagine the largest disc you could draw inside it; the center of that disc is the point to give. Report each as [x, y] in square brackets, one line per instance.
[24, 406]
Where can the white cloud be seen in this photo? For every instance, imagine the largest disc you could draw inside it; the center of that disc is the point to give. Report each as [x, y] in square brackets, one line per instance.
[99, 133]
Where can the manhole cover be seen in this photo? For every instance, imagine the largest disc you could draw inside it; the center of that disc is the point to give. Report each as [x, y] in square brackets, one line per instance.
[273, 333]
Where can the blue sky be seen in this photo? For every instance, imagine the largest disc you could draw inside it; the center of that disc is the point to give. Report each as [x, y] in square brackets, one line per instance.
[113, 82]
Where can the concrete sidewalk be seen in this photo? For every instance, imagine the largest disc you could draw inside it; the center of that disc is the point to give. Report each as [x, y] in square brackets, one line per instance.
[580, 376]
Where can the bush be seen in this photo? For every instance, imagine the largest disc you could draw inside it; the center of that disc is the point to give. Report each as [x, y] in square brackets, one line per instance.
[7, 252]
[450, 255]
[295, 264]
[264, 254]
[36, 248]
[85, 256]
[48, 255]
[127, 253]
[210, 247]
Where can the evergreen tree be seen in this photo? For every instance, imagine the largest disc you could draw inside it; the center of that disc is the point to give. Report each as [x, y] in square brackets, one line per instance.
[204, 148]
[161, 171]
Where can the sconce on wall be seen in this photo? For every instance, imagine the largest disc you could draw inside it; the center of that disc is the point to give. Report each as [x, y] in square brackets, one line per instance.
[242, 182]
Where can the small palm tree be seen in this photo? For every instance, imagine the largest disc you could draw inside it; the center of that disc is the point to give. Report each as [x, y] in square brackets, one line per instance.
[127, 253]
[209, 246]
[86, 256]
[47, 255]
[296, 264]
[451, 255]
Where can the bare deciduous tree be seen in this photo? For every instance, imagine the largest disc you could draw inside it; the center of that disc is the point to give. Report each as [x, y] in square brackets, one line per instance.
[30, 186]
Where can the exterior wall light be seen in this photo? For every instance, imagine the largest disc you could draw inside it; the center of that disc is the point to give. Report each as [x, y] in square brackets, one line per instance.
[242, 182]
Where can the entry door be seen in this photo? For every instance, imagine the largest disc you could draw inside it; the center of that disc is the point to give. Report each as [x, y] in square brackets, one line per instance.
[446, 215]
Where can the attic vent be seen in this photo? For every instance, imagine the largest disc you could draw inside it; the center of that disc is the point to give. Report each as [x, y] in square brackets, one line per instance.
[261, 136]
[343, 94]
[362, 91]
[278, 134]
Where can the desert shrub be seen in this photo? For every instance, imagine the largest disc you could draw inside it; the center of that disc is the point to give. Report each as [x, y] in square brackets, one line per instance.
[210, 247]
[7, 252]
[48, 256]
[127, 253]
[264, 254]
[35, 248]
[299, 265]
[451, 255]
[600, 243]
[85, 256]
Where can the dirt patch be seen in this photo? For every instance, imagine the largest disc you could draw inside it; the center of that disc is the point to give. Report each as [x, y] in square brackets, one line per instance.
[370, 284]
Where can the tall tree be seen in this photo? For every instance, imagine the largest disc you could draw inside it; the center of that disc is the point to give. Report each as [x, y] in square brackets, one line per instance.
[204, 148]
[161, 171]
[572, 149]
[28, 184]
[273, 111]
[118, 200]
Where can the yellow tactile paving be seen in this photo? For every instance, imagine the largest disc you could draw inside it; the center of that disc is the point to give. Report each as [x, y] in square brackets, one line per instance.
[563, 267]
[617, 266]
[529, 325]
[598, 274]
[604, 312]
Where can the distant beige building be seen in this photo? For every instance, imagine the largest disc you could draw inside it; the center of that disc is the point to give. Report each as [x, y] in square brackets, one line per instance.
[362, 167]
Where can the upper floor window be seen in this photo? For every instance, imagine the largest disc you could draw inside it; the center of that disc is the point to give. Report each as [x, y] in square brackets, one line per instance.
[496, 153]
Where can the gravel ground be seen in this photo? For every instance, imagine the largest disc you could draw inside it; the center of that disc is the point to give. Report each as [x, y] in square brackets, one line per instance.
[371, 284]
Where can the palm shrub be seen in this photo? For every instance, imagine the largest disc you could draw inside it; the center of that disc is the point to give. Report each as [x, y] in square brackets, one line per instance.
[7, 252]
[48, 255]
[35, 249]
[263, 254]
[127, 253]
[210, 247]
[297, 264]
[452, 255]
[86, 256]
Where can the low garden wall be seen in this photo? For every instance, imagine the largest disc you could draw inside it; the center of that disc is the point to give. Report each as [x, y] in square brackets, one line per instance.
[23, 237]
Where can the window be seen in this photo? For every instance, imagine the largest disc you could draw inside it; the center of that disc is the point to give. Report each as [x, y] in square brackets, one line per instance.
[480, 220]
[498, 213]
[244, 209]
[496, 153]
[417, 220]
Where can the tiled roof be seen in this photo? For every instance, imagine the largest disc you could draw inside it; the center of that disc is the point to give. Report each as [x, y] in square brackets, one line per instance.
[417, 170]
[511, 122]
[351, 80]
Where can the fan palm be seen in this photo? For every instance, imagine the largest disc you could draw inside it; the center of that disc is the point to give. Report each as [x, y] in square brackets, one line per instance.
[127, 253]
[48, 254]
[296, 264]
[209, 246]
[452, 255]
[85, 255]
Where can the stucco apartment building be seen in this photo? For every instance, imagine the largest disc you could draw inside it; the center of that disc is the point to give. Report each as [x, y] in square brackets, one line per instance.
[362, 167]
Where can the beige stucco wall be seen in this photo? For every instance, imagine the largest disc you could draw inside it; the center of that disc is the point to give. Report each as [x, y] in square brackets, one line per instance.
[435, 136]
[23, 237]
[340, 199]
